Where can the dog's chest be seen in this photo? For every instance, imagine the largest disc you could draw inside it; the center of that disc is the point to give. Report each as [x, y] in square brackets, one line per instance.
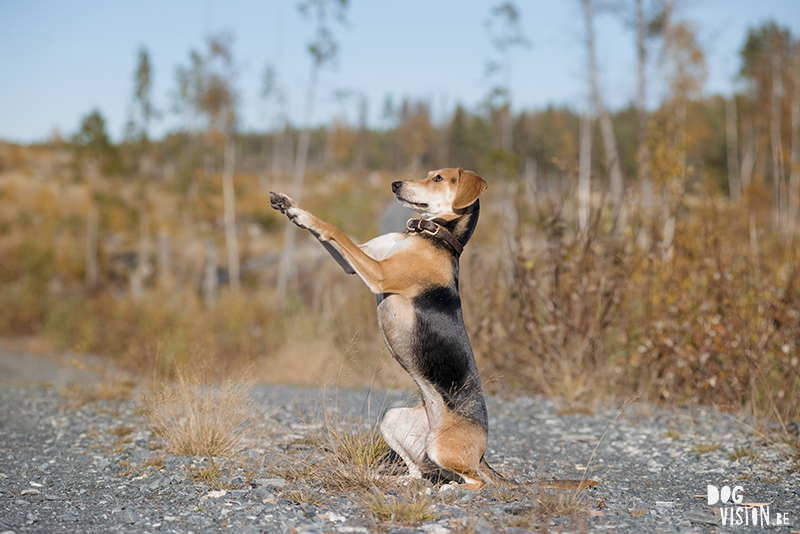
[396, 318]
[396, 321]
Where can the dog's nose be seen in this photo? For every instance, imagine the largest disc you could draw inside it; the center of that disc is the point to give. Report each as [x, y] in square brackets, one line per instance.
[396, 186]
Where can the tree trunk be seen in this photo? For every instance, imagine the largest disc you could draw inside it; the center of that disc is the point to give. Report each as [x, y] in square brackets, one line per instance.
[506, 128]
[92, 222]
[794, 175]
[285, 267]
[210, 280]
[643, 154]
[750, 155]
[139, 274]
[616, 181]
[531, 179]
[363, 135]
[584, 177]
[775, 133]
[731, 133]
[164, 268]
[229, 198]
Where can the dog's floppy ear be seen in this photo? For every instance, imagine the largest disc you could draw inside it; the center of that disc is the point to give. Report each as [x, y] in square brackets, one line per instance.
[470, 187]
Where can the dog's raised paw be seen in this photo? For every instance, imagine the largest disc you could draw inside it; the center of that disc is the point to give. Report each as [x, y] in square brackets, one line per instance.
[279, 201]
[290, 208]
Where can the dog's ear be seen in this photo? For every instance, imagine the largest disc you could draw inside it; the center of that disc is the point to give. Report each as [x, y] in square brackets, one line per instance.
[470, 187]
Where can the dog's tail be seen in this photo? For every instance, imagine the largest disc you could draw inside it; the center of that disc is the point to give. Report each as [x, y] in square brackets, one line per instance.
[493, 478]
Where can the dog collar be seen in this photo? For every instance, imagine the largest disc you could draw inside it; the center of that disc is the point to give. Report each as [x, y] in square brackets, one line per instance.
[429, 227]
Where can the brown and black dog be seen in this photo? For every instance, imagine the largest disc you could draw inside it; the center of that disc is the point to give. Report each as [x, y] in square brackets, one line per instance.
[415, 277]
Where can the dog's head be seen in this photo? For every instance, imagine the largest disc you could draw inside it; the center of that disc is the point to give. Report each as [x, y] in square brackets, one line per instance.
[443, 194]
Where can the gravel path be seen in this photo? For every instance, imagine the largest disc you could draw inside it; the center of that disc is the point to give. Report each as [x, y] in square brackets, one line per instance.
[96, 467]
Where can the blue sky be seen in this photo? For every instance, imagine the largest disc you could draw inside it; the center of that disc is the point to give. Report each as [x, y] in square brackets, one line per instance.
[61, 59]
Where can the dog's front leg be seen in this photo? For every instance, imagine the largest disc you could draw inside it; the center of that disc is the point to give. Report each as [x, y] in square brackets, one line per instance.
[344, 251]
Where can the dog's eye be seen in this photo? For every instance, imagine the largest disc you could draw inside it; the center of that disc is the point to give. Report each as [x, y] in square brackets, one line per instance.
[437, 178]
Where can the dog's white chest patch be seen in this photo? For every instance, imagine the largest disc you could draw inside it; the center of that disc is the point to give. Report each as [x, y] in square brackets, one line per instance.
[383, 246]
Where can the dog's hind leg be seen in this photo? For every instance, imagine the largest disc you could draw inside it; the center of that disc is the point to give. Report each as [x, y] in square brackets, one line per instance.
[457, 446]
[406, 430]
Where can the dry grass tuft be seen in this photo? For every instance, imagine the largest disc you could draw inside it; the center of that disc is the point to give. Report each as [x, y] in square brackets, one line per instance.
[744, 452]
[358, 445]
[704, 447]
[303, 496]
[353, 458]
[411, 506]
[561, 503]
[342, 454]
[197, 419]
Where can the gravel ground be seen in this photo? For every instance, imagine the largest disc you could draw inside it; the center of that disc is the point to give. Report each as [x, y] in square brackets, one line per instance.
[97, 467]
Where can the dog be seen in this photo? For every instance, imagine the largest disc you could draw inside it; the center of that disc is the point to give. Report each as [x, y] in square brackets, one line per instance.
[414, 275]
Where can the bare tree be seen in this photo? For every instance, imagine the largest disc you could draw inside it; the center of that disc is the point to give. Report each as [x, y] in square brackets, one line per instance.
[206, 89]
[794, 175]
[617, 182]
[643, 156]
[362, 137]
[732, 138]
[506, 34]
[750, 154]
[273, 93]
[585, 173]
[649, 24]
[686, 70]
[767, 63]
[92, 232]
[94, 151]
[210, 280]
[323, 49]
[142, 110]
[229, 199]
[142, 269]
[776, 60]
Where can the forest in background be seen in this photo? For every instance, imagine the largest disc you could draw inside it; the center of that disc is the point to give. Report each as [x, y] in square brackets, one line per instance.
[640, 251]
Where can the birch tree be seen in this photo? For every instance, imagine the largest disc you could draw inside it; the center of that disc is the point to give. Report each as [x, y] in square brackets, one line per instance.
[616, 179]
[323, 49]
[94, 151]
[205, 89]
[585, 172]
[648, 24]
[794, 175]
[275, 97]
[142, 112]
[767, 60]
[505, 33]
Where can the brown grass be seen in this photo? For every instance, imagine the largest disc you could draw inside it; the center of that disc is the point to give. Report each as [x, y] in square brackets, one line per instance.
[713, 318]
[194, 418]
[344, 456]
[561, 503]
[410, 506]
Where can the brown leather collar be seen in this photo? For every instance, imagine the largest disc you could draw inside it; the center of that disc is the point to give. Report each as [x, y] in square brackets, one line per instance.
[430, 227]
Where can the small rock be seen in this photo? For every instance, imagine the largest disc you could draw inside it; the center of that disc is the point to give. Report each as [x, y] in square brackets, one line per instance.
[69, 516]
[333, 517]
[271, 482]
[128, 517]
[518, 509]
